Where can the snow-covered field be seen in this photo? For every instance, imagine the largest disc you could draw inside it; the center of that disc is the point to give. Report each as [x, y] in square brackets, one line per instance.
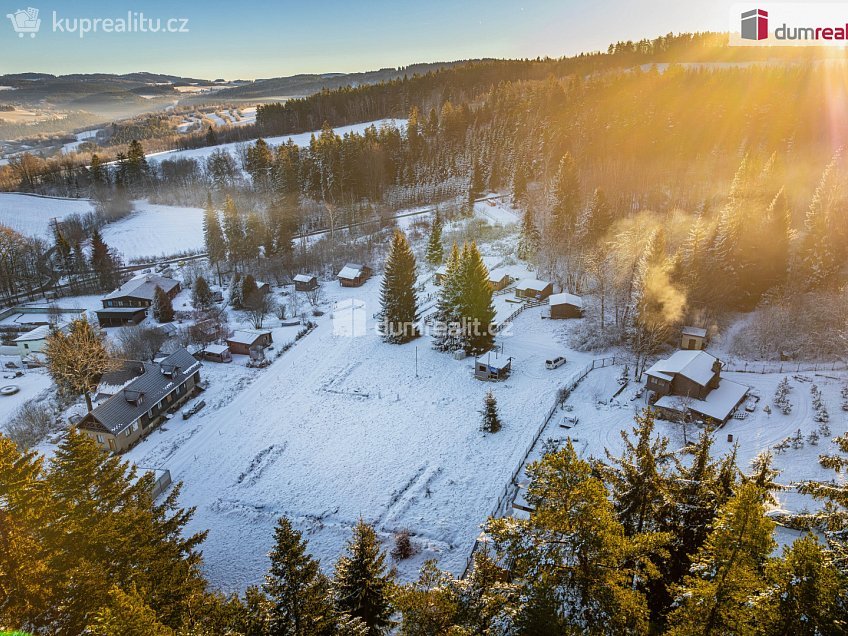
[301, 140]
[341, 427]
[32, 215]
[156, 230]
[34, 383]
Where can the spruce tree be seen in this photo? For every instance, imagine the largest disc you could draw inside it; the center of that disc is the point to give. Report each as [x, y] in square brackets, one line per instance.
[298, 593]
[213, 236]
[361, 585]
[103, 262]
[236, 286]
[249, 289]
[529, 239]
[435, 251]
[727, 572]
[637, 479]
[491, 419]
[234, 232]
[566, 191]
[444, 336]
[201, 295]
[475, 302]
[163, 309]
[397, 295]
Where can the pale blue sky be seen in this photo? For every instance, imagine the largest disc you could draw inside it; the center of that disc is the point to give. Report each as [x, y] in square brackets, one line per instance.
[265, 39]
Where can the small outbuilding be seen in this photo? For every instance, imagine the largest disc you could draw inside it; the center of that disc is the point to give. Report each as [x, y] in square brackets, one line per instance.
[492, 369]
[354, 275]
[245, 341]
[533, 288]
[693, 339]
[499, 280]
[216, 353]
[120, 316]
[565, 305]
[32, 342]
[439, 274]
[305, 282]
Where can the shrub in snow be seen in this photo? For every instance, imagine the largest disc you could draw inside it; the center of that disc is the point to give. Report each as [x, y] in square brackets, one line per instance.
[30, 423]
[403, 546]
[767, 409]
[797, 439]
[824, 429]
[813, 438]
[782, 446]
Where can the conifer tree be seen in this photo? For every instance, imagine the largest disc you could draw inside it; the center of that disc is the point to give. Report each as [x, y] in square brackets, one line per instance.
[519, 183]
[807, 594]
[163, 309]
[491, 419]
[529, 239]
[234, 233]
[821, 249]
[566, 192]
[475, 301]
[397, 294]
[573, 549]
[361, 585]
[249, 289]
[727, 572]
[201, 295]
[298, 593]
[213, 236]
[103, 262]
[444, 337]
[127, 614]
[637, 479]
[236, 286]
[435, 251]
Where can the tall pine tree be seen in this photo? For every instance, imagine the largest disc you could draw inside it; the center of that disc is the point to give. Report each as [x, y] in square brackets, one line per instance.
[397, 295]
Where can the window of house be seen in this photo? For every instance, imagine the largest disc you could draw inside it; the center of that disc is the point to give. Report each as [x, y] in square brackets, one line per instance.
[99, 439]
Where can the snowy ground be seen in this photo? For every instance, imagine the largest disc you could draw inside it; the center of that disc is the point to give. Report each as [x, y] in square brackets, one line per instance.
[32, 215]
[601, 418]
[340, 427]
[34, 383]
[156, 230]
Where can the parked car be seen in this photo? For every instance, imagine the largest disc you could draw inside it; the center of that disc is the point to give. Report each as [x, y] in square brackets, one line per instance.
[555, 363]
[193, 408]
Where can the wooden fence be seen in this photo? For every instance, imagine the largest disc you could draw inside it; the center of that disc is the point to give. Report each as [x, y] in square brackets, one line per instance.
[509, 491]
[783, 367]
[525, 305]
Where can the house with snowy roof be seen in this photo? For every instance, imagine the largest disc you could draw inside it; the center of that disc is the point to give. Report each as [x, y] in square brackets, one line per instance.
[693, 338]
[533, 288]
[143, 402]
[128, 304]
[565, 305]
[354, 275]
[305, 282]
[690, 382]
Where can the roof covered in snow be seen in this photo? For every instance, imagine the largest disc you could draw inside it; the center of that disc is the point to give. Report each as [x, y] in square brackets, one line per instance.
[718, 404]
[39, 333]
[695, 331]
[142, 287]
[216, 349]
[351, 271]
[565, 299]
[304, 278]
[247, 336]
[532, 283]
[694, 365]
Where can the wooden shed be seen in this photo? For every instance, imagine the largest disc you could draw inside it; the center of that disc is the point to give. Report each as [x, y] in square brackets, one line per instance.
[354, 275]
[492, 369]
[246, 340]
[499, 280]
[693, 338]
[305, 282]
[533, 288]
[565, 306]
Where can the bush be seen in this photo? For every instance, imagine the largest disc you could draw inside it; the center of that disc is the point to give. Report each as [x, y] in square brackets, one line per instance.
[403, 546]
[30, 424]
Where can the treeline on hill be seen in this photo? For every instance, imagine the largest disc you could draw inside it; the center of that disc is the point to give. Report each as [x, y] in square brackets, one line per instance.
[648, 542]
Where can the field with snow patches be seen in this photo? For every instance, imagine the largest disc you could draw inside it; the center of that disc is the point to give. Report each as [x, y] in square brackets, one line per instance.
[301, 139]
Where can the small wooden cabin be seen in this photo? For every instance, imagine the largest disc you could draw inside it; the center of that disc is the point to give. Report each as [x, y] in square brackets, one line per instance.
[533, 288]
[693, 339]
[305, 282]
[565, 306]
[354, 275]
